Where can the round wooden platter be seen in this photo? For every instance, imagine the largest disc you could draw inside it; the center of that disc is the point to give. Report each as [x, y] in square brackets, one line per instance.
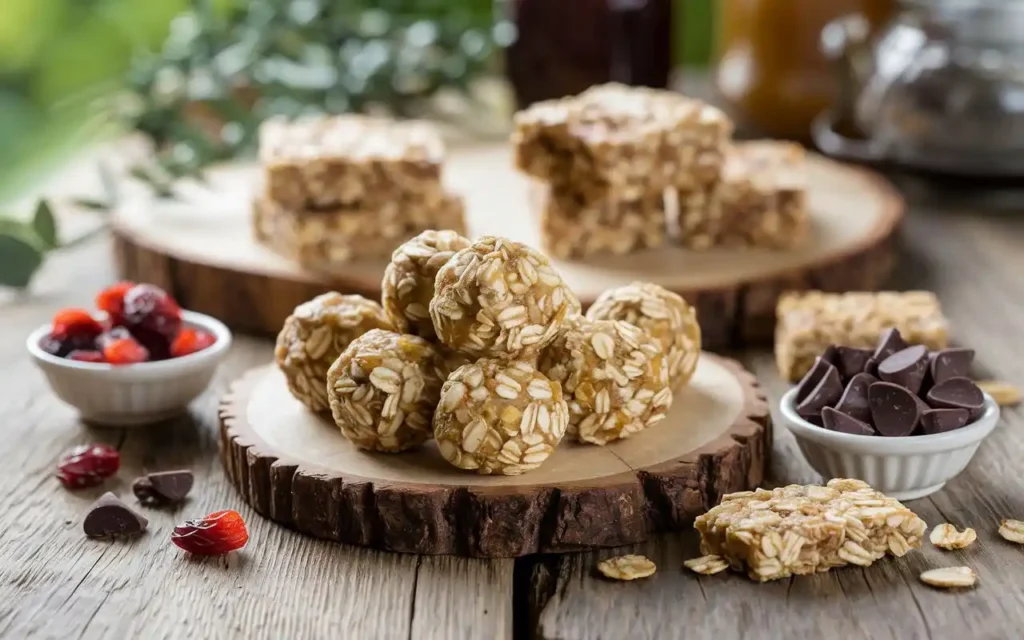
[296, 468]
[201, 248]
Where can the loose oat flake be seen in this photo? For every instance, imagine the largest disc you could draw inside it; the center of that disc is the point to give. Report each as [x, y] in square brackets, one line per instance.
[1003, 393]
[707, 565]
[1012, 530]
[627, 567]
[950, 577]
[946, 536]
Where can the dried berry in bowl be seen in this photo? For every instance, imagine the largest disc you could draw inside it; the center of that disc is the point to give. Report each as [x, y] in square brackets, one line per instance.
[896, 390]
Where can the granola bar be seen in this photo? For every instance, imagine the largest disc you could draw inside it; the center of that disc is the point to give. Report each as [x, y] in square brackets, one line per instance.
[808, 322]
[623, 142]
[349, 160]
[572, 228]
[331, 238]
[799, 530]
[760, 201]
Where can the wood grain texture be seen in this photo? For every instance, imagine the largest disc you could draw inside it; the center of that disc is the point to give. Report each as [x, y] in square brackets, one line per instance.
[55, 583]
[203, 249]
[972, 262]
[361, 499]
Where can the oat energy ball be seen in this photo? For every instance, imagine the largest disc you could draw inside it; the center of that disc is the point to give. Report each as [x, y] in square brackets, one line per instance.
[383, 390]
[499, 298]
[499, 417]
[661, 314]
[408, 284]
[614, 376]
[315, 335]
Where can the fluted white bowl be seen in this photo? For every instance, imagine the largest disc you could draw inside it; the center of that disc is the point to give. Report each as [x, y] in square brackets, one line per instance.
[904, 468]
[135, 394]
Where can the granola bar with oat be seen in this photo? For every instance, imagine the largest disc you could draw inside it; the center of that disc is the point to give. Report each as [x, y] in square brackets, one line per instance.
[808, 322]
[620, 141]
[383, 390]
[573, 228]
[799, 530]
[499, 417]
[614, 376]
[500, 298]
[759, 201]
[313, 337]
[349, 160]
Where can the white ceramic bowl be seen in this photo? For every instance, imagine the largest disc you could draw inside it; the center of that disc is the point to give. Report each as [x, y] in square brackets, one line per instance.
[904, 468]
[136, 394]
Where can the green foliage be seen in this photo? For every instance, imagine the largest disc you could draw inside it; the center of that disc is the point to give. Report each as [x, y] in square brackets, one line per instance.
[23, 245]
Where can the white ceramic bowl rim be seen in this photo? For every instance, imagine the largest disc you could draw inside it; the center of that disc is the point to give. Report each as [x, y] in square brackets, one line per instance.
[883, 445]
[191, 318]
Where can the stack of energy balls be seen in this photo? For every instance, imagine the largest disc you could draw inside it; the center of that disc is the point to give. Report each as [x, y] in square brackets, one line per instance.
[482, 346]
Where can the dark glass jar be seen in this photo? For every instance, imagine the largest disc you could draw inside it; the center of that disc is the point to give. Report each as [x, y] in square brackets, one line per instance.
[564, 46]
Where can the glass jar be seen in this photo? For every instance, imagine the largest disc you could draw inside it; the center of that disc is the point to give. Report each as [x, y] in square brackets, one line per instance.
[941, 88]
[564, 46]
[770, 72]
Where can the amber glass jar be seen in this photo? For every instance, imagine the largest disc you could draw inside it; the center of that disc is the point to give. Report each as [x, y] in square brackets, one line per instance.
[770, 71]
[564, 46]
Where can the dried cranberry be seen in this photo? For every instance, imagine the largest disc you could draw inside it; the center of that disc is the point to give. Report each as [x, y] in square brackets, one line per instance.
[87, 465]
[216, 534]
[153, 317]
[61, 346]
[189, 341]
[112, 335]
[82, 355]
[75, 323]
[111, 300]
[125, 351]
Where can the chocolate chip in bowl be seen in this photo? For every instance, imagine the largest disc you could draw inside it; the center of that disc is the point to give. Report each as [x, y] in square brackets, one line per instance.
[907, 422]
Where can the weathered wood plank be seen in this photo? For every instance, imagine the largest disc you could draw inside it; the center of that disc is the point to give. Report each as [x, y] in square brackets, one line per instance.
[56, 583]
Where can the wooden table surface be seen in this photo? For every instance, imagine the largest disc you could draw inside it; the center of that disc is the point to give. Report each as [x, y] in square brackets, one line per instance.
[56, 583]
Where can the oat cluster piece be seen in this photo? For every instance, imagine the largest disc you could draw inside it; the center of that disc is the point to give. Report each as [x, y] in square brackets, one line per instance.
[627, 568]
[313, 337]
[383, 390]
[799, 530]
[342, 188]
[808, 322]
[500, 417]
[760, 200]
[661, 314]
[615, 376]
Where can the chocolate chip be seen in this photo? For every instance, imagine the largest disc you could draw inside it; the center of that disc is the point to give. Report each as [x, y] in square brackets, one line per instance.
[854, 401]
[108, 517]
[837, 421]
[889, 343]
[950, 363]
[871, 366]
[830, 354]
[958, 393]
[163, 487]
[850, 361]
[811, 378]
[825, 393]
[905, 368]
[895, 411]
[943, 420]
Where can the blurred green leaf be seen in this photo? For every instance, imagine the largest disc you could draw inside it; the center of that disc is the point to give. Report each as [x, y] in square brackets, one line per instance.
[20, 258]
[45, 225]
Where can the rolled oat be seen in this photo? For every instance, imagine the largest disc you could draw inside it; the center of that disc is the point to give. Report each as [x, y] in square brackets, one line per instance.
[707, 565]
[627, 567]
[1012, 530]
[950, 577]
[946, 536]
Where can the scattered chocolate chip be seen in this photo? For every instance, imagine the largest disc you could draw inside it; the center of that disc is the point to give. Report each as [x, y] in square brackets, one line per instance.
[108, 517]
[812, 378]
[950, 363]
[843, 423]
[850, 361]
[943, 420]
[854, 401]
[895, 411]
[163, 487]
[830, 354]
[825, 393]
[958, 393]
[889, 343]
[905, 368]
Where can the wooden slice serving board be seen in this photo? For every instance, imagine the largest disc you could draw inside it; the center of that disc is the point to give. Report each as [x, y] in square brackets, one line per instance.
[296, 468]
[201, 248]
